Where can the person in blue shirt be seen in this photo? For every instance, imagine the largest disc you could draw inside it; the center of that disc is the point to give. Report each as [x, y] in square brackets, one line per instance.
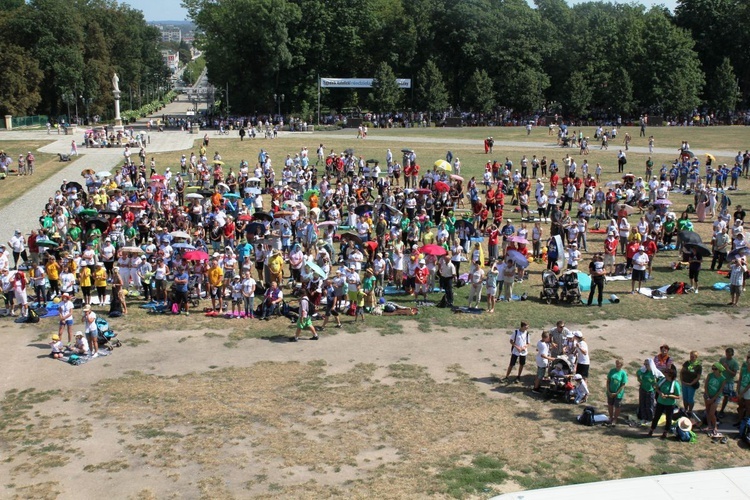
[735, 174]
[181, 281]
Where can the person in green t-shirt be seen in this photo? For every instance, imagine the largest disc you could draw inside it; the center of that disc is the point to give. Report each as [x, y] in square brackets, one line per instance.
[647, 376]
[668, 392]
[617, 379]
[713, 390]
[731, 368]
[744, 392]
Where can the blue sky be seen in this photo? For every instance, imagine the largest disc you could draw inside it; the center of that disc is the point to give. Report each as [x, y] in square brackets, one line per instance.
[170, 10]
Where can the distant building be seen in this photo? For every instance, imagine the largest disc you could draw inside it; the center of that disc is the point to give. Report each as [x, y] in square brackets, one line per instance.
[189, 36]
[170, 33]
[171, 59]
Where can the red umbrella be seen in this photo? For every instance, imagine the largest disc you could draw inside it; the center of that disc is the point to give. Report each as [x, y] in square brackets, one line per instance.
[423, 191]
[435, 250]
[137, 205]
[156, 178]
[245, 217]
[442, 187]
[195, 255]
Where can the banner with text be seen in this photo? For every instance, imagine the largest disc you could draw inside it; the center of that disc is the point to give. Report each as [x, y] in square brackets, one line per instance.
[359, 83]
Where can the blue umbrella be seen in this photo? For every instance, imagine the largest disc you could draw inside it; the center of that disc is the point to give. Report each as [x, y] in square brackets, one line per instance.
[231, 195]
[316, 268]
[183, 246]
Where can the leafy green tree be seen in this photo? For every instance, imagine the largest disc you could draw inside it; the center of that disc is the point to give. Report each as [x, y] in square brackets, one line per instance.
[431, 93]
[524, 89]
[386, 94]
[479, 94]
[724, 92]
[579, 95]
[19, 91]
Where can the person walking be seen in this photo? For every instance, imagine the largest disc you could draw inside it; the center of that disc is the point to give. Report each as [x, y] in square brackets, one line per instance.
[304, 322]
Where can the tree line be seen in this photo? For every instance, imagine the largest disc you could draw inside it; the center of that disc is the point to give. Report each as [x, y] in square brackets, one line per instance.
[589, 59]
[57, 54]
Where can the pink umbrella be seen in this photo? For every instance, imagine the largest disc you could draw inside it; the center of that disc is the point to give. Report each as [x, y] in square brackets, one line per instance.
[156, 178]
[436, 250]
[662, 202]
[195, 255]
[457, 178]
[519, 239]
[328, 223]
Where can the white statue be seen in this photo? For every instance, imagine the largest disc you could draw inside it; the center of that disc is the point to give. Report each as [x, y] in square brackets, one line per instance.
[116, 82]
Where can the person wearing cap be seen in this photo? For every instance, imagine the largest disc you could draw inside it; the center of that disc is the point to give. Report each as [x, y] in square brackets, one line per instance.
[574, 256]
[617, 379]
[81, 346]
[57, 347]
[235, 287]
[713, 391]
[640, 264]
[65, 313]
[421, 279]
[100, 282]
[668, 392]
[737, 279]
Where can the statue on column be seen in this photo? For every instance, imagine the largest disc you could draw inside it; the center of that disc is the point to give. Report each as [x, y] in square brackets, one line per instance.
[116, 83]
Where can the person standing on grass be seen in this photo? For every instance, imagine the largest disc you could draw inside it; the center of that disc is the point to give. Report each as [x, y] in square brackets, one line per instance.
[713, 390]
[647, 376]
[640, 263]
[598, 274]
[305, 321]
[332, 299]
[519, 342]
[617, 379]
[92, 333]
[65, 312]
[583, 358]
[542, 361]
[216, 285]
[557, 338]
[694, 267]
[181, 280]
[248, 294]
[668, 392]
[737, 280]
[731, 368]
[744, 390]
[690, 378]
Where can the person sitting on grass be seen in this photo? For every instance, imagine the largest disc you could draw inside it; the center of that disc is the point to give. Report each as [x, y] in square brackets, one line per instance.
[81, 347]
[271, 302]
[57, 347]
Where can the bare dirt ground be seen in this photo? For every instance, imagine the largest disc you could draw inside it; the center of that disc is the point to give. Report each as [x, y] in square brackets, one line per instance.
[178, 414]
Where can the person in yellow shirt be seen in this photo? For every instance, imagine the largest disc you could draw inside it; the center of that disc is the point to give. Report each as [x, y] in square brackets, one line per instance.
[100, 282]
[276, 266]
[216, 285]
[85, 280]
[53, 270]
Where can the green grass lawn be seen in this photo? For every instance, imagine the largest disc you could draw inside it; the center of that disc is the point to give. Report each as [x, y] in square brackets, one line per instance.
[473, 160]
[46, 165]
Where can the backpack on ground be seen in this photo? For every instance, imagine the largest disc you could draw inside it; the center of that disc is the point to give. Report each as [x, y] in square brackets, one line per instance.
[587, 417]
[683, 435]
[32, 317]
[74, 359]
[443, 302]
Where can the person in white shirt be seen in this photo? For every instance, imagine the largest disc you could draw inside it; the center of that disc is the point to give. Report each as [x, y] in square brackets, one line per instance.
[519, 342]
[582, 355]
[17, 243]
[543, 358]
[81, 346]
[640, 263]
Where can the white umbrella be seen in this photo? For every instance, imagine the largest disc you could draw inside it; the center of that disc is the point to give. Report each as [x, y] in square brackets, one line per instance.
[253, 179]
[103, 174]
[179, 234]
[194, 196]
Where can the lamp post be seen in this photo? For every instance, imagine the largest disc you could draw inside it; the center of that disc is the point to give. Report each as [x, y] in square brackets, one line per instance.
[279, 99]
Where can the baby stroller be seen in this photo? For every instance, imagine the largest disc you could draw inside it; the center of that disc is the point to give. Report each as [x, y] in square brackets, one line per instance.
[550, 285]
[560, 385]
[106, 338]
[569, 291]
[194, 295]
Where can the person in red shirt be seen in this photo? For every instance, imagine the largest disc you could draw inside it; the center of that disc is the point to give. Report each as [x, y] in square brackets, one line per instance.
[483, 214]
[610, 251]
[630, 252]
[651, 249]
[578, 182]
[499, 197]
[497, 216]
[495, 170]
[421, 275]
[493, 238]
[554, 179]
[489, 199]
